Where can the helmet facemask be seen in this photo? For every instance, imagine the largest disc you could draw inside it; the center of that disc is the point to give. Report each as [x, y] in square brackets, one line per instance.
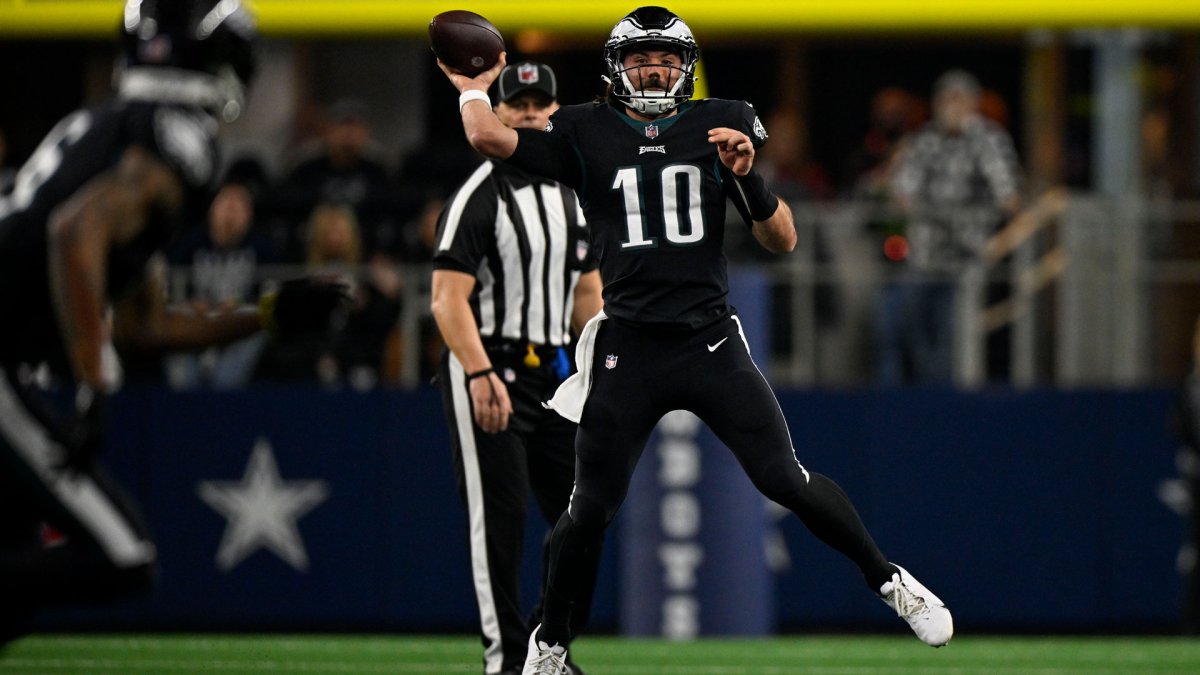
[651, 29]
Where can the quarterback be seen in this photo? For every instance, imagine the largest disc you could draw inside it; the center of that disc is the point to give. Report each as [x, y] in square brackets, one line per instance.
[653, 170]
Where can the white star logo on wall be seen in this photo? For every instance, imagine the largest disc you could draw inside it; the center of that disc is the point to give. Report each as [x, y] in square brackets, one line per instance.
[262, 510]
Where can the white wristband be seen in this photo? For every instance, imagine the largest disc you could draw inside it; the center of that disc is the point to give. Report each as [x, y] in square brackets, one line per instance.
[473, 95]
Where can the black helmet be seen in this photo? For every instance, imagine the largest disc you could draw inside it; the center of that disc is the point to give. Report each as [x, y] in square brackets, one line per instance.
[188, 51]
[651, 27]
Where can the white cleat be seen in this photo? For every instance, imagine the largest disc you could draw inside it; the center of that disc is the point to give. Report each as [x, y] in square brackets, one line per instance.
[925, 613]
[542, 659]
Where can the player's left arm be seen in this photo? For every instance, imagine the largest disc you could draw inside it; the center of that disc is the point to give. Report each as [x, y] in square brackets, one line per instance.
[771, 217]
[777, 234]
[111, 209]
[144, 321]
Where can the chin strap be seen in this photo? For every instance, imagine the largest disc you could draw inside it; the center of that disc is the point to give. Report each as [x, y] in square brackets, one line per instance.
[652, 105]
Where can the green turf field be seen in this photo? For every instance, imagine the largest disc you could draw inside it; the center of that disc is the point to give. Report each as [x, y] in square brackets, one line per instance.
[840, 655]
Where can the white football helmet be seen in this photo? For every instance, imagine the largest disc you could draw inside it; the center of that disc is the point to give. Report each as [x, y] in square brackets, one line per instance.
[651, 28]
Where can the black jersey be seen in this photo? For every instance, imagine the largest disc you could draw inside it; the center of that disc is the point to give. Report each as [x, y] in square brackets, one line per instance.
[82, 146]
[526, 242]
[654, 194]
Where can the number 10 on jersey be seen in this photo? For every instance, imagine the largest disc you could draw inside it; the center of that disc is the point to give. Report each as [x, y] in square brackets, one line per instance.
[676, 180]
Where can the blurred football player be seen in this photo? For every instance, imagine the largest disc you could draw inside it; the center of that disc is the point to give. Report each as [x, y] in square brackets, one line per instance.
[653, 170]
[80, 237]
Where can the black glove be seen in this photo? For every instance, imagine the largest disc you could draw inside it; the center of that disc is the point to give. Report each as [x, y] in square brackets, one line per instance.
[79, 432]
[83, 437]
[306, 306]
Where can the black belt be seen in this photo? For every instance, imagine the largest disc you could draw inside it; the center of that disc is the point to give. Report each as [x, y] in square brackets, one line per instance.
[533, 356]
[505, 346]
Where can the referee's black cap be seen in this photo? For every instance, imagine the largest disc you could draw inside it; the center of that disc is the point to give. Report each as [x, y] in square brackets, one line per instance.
[527, 76]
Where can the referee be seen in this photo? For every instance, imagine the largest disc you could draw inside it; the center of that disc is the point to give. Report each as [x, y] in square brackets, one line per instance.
[514, 273]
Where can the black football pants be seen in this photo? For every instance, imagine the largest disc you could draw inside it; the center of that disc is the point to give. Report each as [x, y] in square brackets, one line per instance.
[495, 474]
[106, 553]
[640, 375]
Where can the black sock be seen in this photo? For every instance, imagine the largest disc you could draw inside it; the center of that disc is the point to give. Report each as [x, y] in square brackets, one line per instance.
[556, 630]
[876, 584]
[828, 513]
[573, 551]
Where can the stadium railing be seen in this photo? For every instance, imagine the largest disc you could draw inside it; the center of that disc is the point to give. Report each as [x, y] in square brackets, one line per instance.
[1084, 290]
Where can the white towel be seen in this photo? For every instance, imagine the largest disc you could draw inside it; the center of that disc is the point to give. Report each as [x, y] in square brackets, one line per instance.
[568, 400]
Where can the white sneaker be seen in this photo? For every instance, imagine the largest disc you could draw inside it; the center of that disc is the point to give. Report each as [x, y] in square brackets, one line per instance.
[542, 659]
[925, 613]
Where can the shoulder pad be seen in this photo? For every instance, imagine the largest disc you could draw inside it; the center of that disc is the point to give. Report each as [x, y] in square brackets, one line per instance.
[186, 141]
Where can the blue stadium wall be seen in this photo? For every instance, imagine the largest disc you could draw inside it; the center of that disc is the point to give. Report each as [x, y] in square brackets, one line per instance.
[1024, 511]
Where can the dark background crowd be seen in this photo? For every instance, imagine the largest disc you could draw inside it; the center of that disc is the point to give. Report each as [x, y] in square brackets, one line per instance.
[342, 193]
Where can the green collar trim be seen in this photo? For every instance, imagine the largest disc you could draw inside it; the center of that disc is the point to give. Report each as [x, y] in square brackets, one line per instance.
[662, 124]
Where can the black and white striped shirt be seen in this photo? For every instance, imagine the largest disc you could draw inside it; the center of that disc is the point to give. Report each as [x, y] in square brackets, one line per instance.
[957, 183]
[525, 241]
[975, 167]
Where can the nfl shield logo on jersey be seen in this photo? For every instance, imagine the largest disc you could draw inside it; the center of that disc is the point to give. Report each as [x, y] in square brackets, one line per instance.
[610, 361]
[581, 249]
[651, 131]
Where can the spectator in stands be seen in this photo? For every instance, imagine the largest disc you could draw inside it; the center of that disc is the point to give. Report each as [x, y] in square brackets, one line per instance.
[787, 164]
[895, 113]
[376, 287]
[427, 176]
[221, 265]
[342, 167]
[790, 163]
[955, 181]
[356, 354]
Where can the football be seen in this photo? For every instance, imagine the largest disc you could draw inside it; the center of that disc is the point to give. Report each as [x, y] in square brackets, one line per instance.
[466, 42]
